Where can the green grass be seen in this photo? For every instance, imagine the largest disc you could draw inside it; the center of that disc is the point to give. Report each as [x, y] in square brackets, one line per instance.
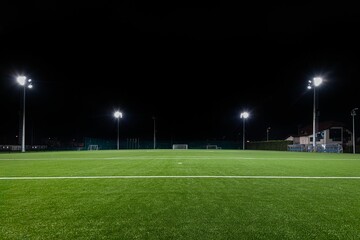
[179, 208]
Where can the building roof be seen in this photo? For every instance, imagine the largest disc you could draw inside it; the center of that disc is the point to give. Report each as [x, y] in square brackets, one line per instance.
[307, 130]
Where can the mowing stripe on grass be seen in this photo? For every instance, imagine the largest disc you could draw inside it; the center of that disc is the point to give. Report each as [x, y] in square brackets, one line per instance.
[153, 177]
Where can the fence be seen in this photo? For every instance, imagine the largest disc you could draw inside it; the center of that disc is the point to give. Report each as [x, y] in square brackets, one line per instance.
[268, 145]
[328, 148]
[14, 148]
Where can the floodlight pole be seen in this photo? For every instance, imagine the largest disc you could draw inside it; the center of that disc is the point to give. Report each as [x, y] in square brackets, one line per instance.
[313, 84]
[244, 115]
[267, 133]
[24, 83]
[118, 115]
[314, 121]
[154, 133]
[244, 133]
[23, 124]
[353, 114]
[118, 140]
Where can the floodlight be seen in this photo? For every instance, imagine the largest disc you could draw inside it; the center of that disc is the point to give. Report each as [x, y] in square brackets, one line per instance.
[317, 81]
[21, 80]
[244, 115]
[313, 84]
[118, 114]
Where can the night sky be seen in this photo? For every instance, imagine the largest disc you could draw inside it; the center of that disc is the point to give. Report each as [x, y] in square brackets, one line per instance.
[193, 68]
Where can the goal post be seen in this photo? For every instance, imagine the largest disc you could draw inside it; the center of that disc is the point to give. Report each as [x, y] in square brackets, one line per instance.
[180, 146]
[212, 147]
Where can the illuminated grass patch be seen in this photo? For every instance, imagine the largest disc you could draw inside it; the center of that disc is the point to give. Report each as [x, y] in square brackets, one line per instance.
[181, 207]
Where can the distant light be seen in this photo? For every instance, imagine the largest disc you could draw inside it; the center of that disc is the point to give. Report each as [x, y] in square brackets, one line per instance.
[29, 80]
[244, 115]
[317, 81]
[21, 80]
[118, 114]
[30, 86]
[309, 87]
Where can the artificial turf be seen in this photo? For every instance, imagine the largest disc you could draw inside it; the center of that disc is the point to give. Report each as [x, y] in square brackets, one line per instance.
[179, 208]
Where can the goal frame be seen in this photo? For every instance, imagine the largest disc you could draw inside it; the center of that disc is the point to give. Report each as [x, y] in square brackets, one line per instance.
[212, 146]
[180, 147]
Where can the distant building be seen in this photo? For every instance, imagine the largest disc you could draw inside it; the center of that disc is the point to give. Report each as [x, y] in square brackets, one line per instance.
[327, 133]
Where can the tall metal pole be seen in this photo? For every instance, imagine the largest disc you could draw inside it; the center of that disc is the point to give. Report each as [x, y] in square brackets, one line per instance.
[353, 114]
[244, 134]
[118, 141]
[314, 122]
[313, 84]
[23, 125]
[118, 115]
[154, 133]
[244, 115]
[25, 83]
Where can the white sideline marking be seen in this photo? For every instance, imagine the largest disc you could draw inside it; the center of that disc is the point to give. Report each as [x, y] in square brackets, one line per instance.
[152, 177]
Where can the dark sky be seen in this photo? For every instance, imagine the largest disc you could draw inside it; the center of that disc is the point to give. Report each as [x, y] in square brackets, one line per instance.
[194, 68]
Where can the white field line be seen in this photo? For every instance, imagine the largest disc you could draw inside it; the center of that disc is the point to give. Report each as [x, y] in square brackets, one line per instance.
[176, 158]
[154, 177]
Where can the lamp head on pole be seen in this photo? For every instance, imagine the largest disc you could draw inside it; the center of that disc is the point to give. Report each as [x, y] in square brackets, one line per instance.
[353, 113]
[244, 115]
[30, 83]
[317, 81]
[118, 114]
[23, 82]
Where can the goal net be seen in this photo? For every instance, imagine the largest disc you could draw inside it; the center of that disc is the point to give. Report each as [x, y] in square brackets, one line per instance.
[93, 147]
[180, 146]
[212, 147]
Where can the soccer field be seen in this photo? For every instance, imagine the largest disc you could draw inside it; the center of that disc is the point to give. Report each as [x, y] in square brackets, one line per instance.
[179, 194]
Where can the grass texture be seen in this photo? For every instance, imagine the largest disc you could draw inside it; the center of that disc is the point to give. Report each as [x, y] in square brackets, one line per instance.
[179, 208]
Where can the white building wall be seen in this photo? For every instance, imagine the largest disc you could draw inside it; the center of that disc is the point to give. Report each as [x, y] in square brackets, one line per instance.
[325, 140]
[305, 140]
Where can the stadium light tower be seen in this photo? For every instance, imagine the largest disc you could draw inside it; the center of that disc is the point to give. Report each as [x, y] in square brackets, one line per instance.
[244, 115]
[353, 114]
[154, 133]
[26, 83]
[267, 133]
[118, 115]
[313, 84]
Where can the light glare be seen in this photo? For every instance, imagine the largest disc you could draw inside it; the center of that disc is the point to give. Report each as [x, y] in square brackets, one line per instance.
[118, 114]
[21, 80]
[317, 81]
[244, 115]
